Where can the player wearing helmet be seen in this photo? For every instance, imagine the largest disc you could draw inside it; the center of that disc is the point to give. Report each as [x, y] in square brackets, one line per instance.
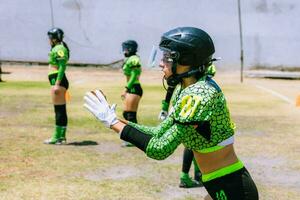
[188, 157]
[200, 119]
[133, 90]
[58, 58]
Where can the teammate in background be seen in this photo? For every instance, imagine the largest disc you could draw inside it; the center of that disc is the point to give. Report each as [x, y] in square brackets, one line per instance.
[133, 90]
[200, 120]
[188, 156]
[58, 58]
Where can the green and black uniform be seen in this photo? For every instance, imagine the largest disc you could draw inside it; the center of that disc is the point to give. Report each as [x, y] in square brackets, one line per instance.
[210, 71]
[58, 57]
[200, 120]
[132, 69]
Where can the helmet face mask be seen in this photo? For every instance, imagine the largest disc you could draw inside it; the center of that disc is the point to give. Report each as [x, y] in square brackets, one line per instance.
[169, 56]
[194, 45]
[169, 60]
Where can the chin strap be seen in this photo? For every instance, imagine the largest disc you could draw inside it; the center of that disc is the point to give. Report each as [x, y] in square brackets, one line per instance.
[174, 79]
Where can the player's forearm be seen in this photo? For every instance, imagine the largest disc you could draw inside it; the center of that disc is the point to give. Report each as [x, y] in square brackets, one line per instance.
[118, 127]
[132, 79]
[156, 130]
[155, 147]
[136, 137]
[150, 130]
[61, 72]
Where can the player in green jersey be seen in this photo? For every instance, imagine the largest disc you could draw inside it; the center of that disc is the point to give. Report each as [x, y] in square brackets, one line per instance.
[200, 119]
[133, 90]
[58, 58]
[188, 156]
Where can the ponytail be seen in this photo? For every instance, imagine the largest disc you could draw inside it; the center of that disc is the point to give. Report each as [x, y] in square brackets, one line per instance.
[66, 46]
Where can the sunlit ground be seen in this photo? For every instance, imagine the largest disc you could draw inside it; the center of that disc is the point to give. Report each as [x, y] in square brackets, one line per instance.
[95, 166]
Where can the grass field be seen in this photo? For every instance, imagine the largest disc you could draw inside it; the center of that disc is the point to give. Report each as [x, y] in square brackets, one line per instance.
[94, 165]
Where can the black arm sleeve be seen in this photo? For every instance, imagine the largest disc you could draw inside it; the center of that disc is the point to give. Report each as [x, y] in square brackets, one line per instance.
[136, 137]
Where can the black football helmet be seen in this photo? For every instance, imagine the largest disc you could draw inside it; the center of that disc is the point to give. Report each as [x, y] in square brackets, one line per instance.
[131, 47]
[187, 46]
[56, 33]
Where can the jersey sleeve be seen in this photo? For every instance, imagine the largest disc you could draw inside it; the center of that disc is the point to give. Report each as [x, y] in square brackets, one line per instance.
[158, 143]
[162, 146]
[191, 108]
[154, 131]
[61, 59]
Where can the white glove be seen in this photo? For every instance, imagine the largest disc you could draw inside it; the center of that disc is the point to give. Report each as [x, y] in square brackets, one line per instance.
[162, 115]
[96, 103]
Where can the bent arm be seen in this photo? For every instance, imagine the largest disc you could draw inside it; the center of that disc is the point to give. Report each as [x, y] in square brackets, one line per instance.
[62, 68]
[155, 147]
[157, 130]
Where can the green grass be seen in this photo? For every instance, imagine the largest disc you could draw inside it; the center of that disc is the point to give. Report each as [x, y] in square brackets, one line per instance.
[31, 170]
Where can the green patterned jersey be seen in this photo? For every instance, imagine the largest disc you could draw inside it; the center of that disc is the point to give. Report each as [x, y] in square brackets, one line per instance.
[200, 120]
[132, 68]
[59, 57]
[210, 71]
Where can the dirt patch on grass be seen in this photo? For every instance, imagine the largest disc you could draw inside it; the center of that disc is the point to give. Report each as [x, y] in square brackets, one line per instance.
[174, 192]
[274, 171]
[114, 173]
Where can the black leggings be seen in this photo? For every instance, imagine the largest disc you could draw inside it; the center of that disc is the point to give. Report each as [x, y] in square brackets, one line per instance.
[188, 156]
[235, 186]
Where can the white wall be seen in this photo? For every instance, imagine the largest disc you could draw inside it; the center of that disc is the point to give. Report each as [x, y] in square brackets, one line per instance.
[95, 28]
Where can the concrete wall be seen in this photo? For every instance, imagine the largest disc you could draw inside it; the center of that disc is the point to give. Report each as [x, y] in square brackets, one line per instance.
[95, 28]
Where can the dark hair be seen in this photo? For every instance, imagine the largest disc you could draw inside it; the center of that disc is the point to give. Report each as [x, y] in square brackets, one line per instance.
[66, 46]
[202, 71]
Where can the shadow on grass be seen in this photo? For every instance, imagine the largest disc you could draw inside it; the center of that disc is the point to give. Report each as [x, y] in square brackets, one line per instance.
[83, 143]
